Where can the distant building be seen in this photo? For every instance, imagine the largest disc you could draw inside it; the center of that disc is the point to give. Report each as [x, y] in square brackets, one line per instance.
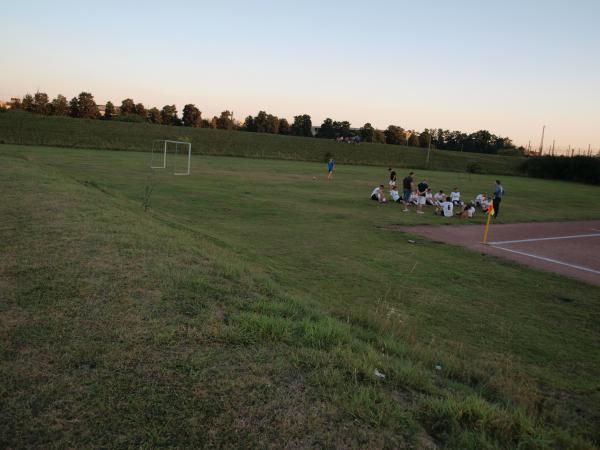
[102, 109]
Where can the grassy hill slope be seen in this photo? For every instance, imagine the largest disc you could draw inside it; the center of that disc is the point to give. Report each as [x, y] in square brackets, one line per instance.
[18, 127]
[255, 315]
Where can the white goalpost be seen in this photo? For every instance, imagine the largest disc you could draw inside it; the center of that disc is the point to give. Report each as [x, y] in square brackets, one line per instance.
[177, 153]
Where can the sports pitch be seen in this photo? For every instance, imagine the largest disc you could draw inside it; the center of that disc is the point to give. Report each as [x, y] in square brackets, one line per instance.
[253, 302]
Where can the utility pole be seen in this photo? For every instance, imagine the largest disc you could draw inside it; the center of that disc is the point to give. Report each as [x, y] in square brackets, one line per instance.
[589, 149]
[429, 147]
[529, 147]
[553, 147]
[542, 140]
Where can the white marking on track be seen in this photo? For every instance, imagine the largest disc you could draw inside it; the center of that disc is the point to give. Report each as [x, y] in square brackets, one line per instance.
[543, 258]
[575, 236]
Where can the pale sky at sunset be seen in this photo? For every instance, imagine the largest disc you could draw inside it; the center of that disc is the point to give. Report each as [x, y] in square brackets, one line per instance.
[506, 66]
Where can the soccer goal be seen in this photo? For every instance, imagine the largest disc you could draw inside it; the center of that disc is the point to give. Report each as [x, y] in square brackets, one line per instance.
[177, 154]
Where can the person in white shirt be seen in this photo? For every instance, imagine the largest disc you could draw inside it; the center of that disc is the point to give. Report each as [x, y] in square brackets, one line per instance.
[414, 198]
[378, 194]
[395, 195]
[455, 197]
[448, 208]
[429, 197]
[485, 204]
[439, 198]
[479, 199]
[468, 211]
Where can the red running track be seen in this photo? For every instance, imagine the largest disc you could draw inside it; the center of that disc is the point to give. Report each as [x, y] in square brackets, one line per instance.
[567, 248]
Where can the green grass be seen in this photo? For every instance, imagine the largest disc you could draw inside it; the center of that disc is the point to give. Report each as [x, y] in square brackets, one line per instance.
[251, 305]
[18, 127]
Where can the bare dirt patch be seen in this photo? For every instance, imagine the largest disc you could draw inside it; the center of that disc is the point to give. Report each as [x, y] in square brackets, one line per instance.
[567, 248]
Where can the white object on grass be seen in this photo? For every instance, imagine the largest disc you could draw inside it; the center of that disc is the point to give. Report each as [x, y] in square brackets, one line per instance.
[379, 374]
[179, 152]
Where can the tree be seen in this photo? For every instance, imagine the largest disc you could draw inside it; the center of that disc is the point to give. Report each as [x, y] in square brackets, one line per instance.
[28, 104]
[109, 111]
[141, 111]
[367, 132]
[87, 106]
[249, 124]
[154, 115]
[225, 121]
[342, 129]
[127, 107]
[168, 115]
[74, 107]
[379, 137]
[40, 103]
[284, 127]
[213, 122]
[272, 124]
[480, 141]
[192, 117]
[260, 122]
[326, 130]
[424, 138]
[413, 139]
[302, 125]
[16, 103]
[394, 135]
[59, 106]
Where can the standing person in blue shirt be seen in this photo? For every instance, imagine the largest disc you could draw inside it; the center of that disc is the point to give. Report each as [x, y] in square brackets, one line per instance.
[498, 194]
[330, 168]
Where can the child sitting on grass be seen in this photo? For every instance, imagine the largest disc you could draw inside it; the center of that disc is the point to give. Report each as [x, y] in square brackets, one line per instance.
[479, 199]
[395, 195]
[445, 209]
[468, 211]
[439, 198]
[485, 203]
[378, 194]
[455, 197]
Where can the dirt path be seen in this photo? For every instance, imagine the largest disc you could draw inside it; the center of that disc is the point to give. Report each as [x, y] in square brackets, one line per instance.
[567, 248]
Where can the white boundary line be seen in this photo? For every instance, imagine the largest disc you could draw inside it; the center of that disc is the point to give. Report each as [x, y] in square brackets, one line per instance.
[545, 239]
[555, 261]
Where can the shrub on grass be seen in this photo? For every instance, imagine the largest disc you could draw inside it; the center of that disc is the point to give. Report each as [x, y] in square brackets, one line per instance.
[472, 422]
[473, 167]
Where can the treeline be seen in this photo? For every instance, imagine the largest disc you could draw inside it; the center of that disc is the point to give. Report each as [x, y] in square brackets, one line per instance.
[583, 169]
[84, 106]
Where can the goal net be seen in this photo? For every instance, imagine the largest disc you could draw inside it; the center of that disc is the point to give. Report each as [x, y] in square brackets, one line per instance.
[172, 155]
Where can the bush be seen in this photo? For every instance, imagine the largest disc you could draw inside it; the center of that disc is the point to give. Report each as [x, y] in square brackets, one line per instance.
[473, 167]
[584, 169]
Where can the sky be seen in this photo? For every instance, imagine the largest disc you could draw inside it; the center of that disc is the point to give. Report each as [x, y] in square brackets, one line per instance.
[506, 66]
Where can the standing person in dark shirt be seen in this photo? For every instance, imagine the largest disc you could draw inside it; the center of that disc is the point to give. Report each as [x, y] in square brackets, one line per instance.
[407, 184]
[498, 194]
[421, 190]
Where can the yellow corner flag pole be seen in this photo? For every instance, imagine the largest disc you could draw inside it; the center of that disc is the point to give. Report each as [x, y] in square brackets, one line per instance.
[490, 212]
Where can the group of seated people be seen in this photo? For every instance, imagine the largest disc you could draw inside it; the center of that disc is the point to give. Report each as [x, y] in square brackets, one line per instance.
[444, 204]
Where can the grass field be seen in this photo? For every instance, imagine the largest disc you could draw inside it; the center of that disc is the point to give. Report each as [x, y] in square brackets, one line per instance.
[251, 305]
[18, 127]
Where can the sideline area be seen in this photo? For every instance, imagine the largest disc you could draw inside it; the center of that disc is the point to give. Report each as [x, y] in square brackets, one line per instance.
[567, 248]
